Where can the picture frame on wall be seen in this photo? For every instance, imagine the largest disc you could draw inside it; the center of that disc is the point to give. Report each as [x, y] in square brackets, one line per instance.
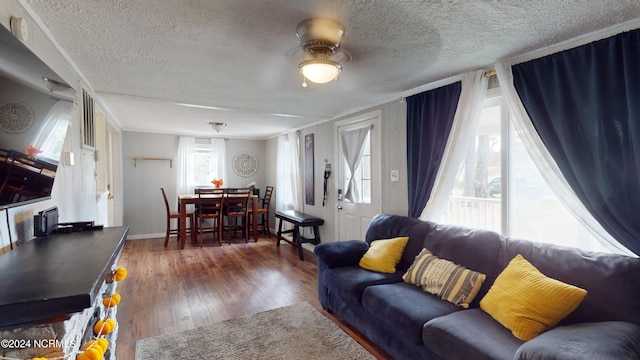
[309, 189]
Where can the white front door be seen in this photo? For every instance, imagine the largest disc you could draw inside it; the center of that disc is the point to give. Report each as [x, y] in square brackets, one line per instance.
[356, 206]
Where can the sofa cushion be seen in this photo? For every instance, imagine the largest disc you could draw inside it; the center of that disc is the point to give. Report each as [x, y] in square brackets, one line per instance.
[444, 278]
[597, 341]
[350, 281]
[469, 334]
[527, 302]
[404, 308]
[383, 255]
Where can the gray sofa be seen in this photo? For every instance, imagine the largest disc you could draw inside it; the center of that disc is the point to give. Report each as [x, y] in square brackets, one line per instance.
[411, 324]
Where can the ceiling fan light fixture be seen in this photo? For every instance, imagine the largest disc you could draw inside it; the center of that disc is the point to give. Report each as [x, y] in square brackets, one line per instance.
[217, 126]
[320, 38]
[320, 71]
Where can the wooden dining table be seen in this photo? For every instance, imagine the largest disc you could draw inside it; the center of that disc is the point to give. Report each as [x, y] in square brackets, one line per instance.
[187, 199]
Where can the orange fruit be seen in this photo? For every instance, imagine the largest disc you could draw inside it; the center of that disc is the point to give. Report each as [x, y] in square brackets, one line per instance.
[106, 326]
[109, 302]
[120, 274]
[116, 297]
[104, 344]
[93, 353]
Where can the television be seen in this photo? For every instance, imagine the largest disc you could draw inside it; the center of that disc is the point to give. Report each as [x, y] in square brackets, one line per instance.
[35, 112]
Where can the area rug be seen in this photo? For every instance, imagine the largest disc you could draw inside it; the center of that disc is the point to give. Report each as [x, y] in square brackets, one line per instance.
[293, 332]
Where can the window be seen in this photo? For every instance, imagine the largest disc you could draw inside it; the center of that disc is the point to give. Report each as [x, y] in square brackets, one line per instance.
[362, 175]
[499, 188]
[288, 179]
[198, 162]
[207, 162]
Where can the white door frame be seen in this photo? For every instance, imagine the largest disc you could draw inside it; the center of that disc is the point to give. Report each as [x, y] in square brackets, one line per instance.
[376, 172]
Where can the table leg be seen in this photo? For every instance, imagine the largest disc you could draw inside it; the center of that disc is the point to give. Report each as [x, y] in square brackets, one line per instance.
[254, 205]
[183, 223]
[279, 235]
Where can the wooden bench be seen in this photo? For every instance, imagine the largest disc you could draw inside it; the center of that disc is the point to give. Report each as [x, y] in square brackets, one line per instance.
[298, 219]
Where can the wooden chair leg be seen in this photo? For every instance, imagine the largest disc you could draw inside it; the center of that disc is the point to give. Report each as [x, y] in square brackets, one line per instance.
[166, 236]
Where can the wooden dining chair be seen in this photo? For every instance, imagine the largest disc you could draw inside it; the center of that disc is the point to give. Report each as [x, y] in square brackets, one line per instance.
[236, 203]
[209, 208]
[174, 215]
[263, 212]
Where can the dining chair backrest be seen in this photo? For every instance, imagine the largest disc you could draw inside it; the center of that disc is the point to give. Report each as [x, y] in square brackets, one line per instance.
[267, 197]
[237, 200]
[208, 205]
[166, 202]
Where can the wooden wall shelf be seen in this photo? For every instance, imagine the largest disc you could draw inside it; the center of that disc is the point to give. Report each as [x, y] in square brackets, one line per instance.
[135, 159]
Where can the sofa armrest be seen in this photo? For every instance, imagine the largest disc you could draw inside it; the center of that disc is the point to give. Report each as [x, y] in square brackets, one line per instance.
[599, 340]
[341, 253]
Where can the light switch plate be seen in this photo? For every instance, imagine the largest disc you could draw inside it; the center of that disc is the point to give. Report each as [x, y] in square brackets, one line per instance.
[394, 175]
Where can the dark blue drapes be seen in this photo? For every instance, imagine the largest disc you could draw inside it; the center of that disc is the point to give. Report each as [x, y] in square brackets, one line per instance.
[429, 120]
[585, 104]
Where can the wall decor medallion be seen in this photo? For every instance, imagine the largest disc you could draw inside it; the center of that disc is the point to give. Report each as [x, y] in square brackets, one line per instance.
[15, 117]
[245, 164]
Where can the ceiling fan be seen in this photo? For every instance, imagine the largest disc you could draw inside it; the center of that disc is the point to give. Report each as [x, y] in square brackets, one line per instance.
[320, 38]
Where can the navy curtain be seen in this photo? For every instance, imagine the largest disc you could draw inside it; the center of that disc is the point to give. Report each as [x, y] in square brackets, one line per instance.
[429, 120]
[585, 104]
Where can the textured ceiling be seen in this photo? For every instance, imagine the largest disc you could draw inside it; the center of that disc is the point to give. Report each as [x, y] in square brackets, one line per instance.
[143, 56]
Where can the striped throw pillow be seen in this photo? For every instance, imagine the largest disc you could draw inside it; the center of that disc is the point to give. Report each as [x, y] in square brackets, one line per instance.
[443, 278]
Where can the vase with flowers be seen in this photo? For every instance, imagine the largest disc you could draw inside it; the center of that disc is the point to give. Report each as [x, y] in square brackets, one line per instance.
[217, 183]
[32, 151]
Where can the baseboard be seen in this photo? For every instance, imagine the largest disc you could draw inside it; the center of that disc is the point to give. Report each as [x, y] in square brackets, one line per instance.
[6, 249]
[146, 236]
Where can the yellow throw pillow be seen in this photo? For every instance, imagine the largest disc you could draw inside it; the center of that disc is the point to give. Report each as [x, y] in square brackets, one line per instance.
[383, 255]
[527, 302]
[450, 281]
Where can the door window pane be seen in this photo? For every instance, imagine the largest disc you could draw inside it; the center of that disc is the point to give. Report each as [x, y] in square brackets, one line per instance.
[362, 177]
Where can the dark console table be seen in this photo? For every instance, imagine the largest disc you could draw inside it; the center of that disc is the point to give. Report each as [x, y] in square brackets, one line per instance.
[298, 219]
[52, 277]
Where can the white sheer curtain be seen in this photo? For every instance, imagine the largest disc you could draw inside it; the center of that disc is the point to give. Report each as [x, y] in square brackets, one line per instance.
[50, 138]
[184, 164]
[545, 163]
[463, 130]
[288, 177]
[352, 149]
[219, 152]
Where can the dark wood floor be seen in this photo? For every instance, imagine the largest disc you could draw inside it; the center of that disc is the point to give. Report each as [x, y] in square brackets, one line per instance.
[169, 289]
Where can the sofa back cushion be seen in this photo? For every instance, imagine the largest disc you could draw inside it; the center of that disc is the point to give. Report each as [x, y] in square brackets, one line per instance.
[612, 281]
[474, 249]
[385, 226]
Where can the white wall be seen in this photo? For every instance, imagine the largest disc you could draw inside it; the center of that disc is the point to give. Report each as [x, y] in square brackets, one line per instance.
[144, 210]
[394, 157]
